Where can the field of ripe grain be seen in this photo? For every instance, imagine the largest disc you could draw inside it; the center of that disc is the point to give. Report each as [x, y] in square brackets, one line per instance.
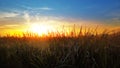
[82, 51]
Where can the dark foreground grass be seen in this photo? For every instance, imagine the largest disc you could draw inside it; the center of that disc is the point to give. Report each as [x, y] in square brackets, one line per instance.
[83, 51]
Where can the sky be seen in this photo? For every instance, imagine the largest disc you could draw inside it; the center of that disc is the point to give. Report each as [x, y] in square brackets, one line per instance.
[17, 15]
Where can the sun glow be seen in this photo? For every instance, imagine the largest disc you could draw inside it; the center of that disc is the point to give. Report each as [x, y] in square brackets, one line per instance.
[40, 28]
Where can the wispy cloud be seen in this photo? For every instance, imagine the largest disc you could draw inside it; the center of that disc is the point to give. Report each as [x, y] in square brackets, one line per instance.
[113, 14]
[46, 8]
[36, 8]
[8, 26]
[26, 17]
[8, 14]
[12, 25]
[115, 21]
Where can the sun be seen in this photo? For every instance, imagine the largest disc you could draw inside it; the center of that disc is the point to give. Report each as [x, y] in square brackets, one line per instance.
[39, 28]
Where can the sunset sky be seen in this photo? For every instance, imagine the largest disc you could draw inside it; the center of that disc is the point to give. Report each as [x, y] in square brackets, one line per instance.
[24, 15]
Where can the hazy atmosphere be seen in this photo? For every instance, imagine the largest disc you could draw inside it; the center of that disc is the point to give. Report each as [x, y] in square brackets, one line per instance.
[23, 15]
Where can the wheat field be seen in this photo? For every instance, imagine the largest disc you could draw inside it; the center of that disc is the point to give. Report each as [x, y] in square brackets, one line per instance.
[60, 51]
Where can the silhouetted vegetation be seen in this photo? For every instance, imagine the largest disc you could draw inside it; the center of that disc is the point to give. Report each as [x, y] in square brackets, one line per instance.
[60, 51]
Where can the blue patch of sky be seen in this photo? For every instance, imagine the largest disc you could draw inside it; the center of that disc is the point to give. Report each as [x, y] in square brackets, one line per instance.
[85, 9]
